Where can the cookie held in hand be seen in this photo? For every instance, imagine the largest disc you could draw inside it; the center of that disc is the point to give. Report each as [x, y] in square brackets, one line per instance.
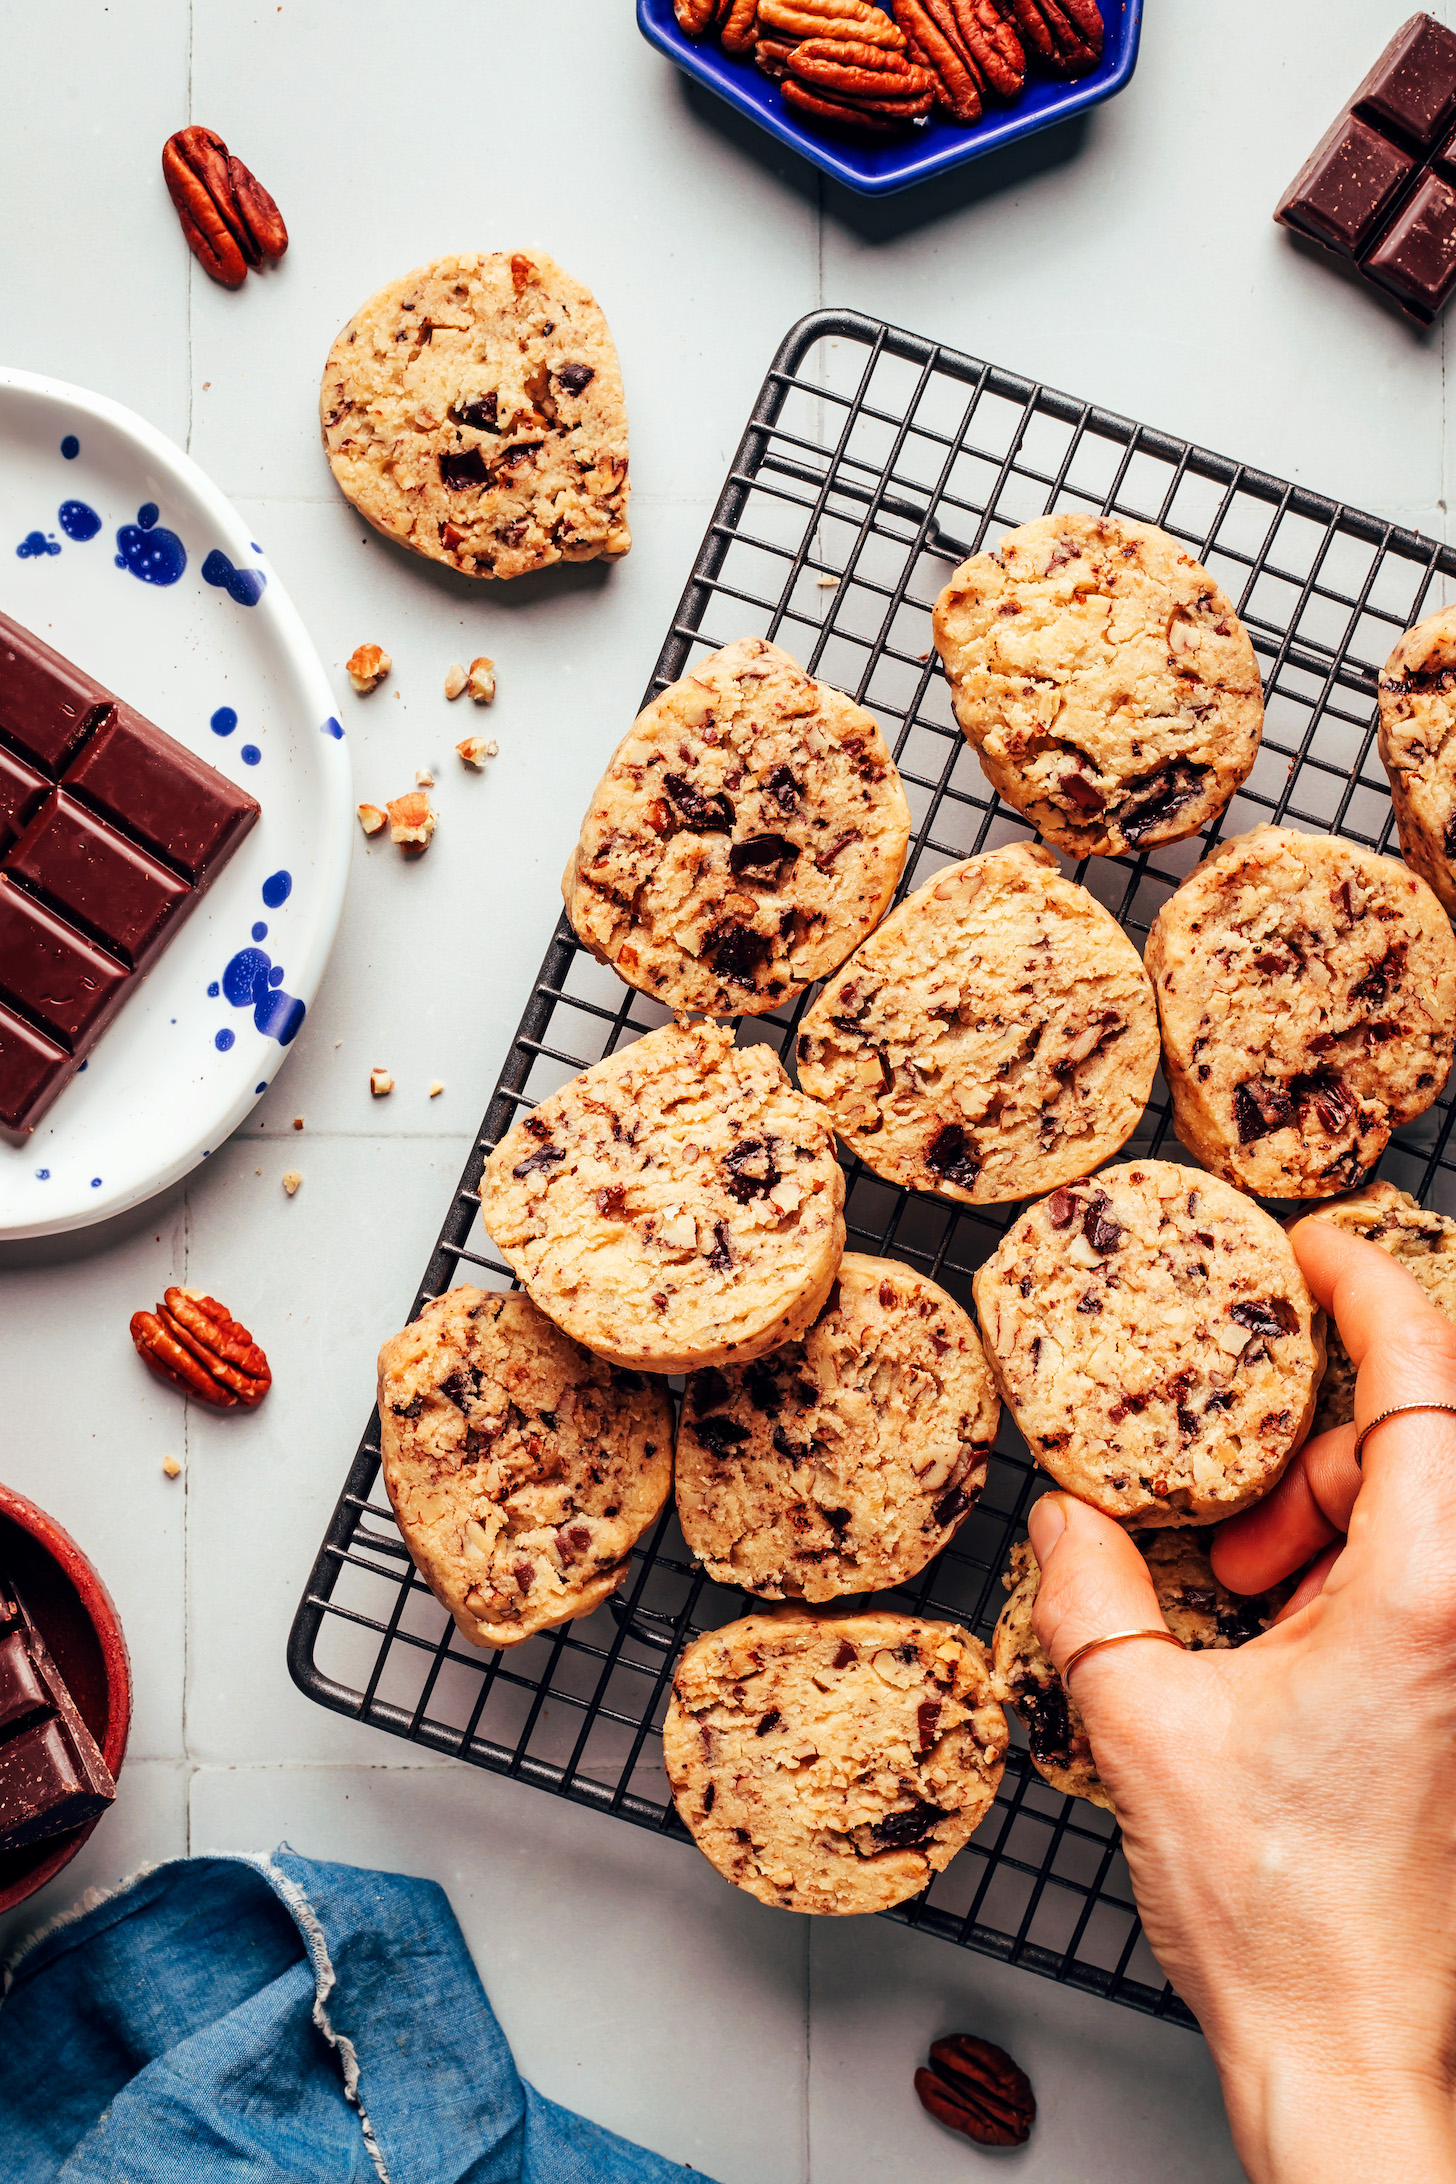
[747, 834]
[1307, 992]
[843, 1462]
[1156, 1341]
[1195, 1607]
[474, 411]
[1423, 1243]
[833, 1764]
[521, 1469]
[996, 1036]
[676, 1205]
[1418, 749]
[1108, 687]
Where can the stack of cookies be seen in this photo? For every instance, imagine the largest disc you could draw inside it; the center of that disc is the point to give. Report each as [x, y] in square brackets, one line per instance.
[678, 1207]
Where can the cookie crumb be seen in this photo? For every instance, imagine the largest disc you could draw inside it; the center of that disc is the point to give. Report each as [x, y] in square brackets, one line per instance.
[291, 1180]
[436, 1088]
[171, 1466]
[455, 680]
[371, 818]
[424, 779]
[411, 821]
[481, 681]
[380, 1082]
[298, 1122]
[366, 667]
[827, 583]
[475, 750]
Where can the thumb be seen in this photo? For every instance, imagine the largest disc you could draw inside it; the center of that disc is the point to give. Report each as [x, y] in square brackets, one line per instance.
[1093, 1582]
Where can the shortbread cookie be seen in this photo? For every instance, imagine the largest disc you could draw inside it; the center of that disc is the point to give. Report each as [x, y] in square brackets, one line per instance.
[1195, 1608]
[1155, 1339]
[676, 1205]
[1107, 685]
[995, 1037]
[1423, 1243]
[1418, 748]
[521, 1468]
[748, 833]
[833, 1763]
[843, 1462]
[474, 412]
[1307, 991]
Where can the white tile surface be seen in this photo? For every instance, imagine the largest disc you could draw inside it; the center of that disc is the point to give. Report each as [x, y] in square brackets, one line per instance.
[1129, 259]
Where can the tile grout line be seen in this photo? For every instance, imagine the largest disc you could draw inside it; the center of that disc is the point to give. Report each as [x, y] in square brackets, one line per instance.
[808, 2052]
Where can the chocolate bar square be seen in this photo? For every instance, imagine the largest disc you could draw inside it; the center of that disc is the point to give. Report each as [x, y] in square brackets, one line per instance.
[1377, 187]
[109, 832]
[52, 1775]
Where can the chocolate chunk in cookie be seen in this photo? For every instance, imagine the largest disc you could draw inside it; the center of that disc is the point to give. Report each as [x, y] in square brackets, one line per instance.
[996, 1036]
[1307, 990]
[1195, 1607]
[1155, 1339]
[474, 412]
[833, 1764]
[676, 1205]
[520, 1467]
[843, 1462]
[748, 833]
[1108, 687]
[1423, 1243]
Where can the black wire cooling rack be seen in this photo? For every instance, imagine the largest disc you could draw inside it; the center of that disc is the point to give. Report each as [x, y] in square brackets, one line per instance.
[874, 462]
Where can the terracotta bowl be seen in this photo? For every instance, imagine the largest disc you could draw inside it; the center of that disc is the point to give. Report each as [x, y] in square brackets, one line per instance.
[75, 1616]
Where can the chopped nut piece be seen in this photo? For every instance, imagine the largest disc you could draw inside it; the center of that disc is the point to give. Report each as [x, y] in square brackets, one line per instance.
[828, 583]
[475, 750]
[366, 667]
[298, 1122]
[380, 1082]
[291, 1180]
[424, 779]
[171, 1466]
[455, 680]
[371, 818]
[436, 1088]
[410, 819]
[481, 682]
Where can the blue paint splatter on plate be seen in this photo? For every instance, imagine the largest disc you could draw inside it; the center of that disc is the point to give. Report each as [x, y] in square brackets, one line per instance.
[244, 585]
[213, 990]
[224, 1040]
[332, 727]
[224, 720]
[95, 1182]
[148, 550]
[250, 754]
[261, 1087]
[78, 520]
[248, 982]
[260, 931]
[276, 890]
[42, 1175]
[70, 448]
[34, 544]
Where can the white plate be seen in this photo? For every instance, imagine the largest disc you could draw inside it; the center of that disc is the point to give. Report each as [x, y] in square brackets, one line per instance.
[171, 603]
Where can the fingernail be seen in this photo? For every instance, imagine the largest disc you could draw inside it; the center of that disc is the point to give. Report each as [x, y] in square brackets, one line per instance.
[1046, 1522]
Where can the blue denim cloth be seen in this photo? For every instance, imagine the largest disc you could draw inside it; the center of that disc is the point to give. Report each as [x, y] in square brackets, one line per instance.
[276, 2021]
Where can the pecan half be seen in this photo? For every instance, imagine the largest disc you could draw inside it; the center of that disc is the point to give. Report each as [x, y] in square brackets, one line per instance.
[831, 18]
[847, 116]
[738, 25]
[695, 16]
[935, 44]
[848, 68]
[191, 1341]
[993, 45]
[1066, 35]
[773, 56]
[975, 2087]
[227, 216]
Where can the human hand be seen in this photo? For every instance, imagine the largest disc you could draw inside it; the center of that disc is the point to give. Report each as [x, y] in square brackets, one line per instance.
[1289, 1810]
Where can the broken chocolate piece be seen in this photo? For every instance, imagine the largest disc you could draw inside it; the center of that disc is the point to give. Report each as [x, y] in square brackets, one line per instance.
[950, 1156]
[52, 1775]
[768, 858]
[462, 467]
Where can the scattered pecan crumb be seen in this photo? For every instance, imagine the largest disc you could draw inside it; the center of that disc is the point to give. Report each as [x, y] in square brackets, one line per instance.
[436, 1088]
[298, 1122]
[481, 680]
[380, 1082]
[366, 667]
[171, 1466]
[411, 820]
[371, 818]
[424, 779]
[475, 750]
[455, 680]
[828, 583]
[291, 1180]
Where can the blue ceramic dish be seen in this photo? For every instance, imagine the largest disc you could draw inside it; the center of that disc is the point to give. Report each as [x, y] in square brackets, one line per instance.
[877, 168]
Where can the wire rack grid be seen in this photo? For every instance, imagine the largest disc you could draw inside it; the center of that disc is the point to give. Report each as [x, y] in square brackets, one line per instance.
[874, 461]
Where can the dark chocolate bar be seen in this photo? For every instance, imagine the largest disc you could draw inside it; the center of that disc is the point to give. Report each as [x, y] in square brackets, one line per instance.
[109, 832]
[52, 1775]
[1377, 188]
